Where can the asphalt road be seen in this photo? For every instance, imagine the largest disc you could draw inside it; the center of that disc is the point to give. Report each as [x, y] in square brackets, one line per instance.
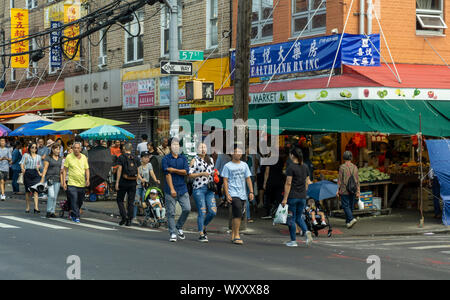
[33, 247]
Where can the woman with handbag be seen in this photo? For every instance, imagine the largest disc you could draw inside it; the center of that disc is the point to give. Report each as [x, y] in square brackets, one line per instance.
[31, 163]
[202, 171]
[348, 188]
[52, 174]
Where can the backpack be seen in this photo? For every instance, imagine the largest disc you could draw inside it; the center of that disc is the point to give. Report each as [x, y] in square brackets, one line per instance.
[130, 169]
[352, 187]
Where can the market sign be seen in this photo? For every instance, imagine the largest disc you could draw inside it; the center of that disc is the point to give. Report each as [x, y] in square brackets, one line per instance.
[312, 54]
[267, 98]
[19, 30]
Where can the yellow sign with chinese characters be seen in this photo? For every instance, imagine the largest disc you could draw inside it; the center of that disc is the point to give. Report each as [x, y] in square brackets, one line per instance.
[72, 13]
[19, 30]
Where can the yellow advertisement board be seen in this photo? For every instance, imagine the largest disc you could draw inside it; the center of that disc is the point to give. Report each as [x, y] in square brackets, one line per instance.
[72, 13]
[19, 30]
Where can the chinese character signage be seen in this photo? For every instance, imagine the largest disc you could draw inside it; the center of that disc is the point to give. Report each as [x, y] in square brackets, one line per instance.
[55, 50]
[164, 91]
[359, 50]
[130, 95]
[19, 30]
[305, 56]
[72, 13]
[146, 92]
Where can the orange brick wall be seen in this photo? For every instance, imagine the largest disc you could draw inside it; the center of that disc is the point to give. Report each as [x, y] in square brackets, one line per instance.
[397, 18]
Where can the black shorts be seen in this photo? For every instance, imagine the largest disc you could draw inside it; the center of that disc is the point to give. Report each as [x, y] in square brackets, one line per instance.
[4, 175]
[238, 207]
[260, 181]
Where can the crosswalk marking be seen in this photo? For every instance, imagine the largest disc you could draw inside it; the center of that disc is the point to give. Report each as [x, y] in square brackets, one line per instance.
[33, 222]
[101, 221]
[408, 243]
[430, 247]
[84, 225]
[7, 226]
[116, 224]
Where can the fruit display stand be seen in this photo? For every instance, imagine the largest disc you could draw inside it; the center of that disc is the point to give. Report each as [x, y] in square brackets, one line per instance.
[383, 184]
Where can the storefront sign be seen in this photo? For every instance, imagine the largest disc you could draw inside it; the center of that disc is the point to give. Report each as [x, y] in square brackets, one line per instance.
[72, 13]
[130, 95]
[19, 30]
[55, 50]
[359, 50]
[267, 98]
[146, 91]
[304, 56]
[164, 91]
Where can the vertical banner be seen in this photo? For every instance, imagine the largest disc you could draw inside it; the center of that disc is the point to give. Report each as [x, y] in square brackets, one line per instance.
[130, 95]
[359, 50]
[19, 30]
[71, 13]
[55, 50]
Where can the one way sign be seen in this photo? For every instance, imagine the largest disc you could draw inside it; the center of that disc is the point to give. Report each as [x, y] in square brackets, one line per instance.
[176, 68]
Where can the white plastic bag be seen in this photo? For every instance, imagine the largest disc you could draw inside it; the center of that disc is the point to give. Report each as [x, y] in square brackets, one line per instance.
[281, 215]
[360, 205]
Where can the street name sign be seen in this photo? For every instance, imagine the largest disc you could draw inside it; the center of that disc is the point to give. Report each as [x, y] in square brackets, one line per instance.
[176, 68]
[191, 55]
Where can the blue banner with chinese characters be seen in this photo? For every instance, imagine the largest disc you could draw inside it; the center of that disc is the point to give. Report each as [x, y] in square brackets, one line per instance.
[305, 56]
[312, 54]
[361, 50]
[55, 50]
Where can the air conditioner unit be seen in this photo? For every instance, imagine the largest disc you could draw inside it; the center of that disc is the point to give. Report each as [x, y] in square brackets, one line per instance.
[102, 61]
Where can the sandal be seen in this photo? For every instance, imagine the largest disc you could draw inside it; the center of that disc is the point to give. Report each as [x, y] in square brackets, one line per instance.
[237, 241]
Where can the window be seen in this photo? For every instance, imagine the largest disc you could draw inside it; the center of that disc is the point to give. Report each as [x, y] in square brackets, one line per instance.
[211, 23]
[134, 48]
[31, 4]
[165, 25]
[430, 16]
[33, 68]
[303, 11]
[262, 21]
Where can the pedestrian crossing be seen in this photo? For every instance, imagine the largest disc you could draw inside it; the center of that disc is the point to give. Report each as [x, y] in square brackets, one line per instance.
[415, 243]
[14, 222]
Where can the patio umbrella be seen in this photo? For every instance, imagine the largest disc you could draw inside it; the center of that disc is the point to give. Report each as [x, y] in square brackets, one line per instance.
[322, 190]
[27, 118]
[33, 129]
[81, 122]
[4, 131]
[107, 132]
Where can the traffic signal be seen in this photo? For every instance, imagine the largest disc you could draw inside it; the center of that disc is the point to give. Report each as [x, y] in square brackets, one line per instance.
[199, 90]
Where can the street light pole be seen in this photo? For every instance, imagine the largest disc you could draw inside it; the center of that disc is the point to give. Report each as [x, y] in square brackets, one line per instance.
[173, 56]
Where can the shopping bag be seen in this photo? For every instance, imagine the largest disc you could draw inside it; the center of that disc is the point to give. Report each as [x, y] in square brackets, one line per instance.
[281, 215]
[20, 179]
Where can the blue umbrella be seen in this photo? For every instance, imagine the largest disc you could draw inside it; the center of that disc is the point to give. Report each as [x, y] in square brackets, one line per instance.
[322, 190]
[107, 132]
[4, 131]
[29, 129]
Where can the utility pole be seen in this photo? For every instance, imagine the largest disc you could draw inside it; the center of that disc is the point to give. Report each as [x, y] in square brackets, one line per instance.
[173, 56]
[242, 74]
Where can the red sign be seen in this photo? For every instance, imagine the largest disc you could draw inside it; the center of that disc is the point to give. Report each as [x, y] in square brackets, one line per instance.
[147, 99]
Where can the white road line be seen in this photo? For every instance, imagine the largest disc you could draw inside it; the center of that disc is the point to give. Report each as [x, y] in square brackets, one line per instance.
[446, 252]
[7, 226]
[84, 225]
[117, 225]
[101, 221]
[34, 222]
[430, 247]
[409, 243]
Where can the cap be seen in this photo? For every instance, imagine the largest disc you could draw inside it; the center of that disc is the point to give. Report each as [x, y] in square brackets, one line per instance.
[153, 191]
[145, 153]
[50, 142]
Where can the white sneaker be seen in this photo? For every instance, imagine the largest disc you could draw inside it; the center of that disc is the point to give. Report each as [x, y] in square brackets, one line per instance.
[309, 238]
[181, 234]
[3, 197]
[352, 222]
[291, 244]
[173, 238]
[315, 222]
[324, 223]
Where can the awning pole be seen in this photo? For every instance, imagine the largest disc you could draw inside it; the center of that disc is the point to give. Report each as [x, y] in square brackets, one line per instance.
[385, 61]
[437, 53]
[340, 43]
[419, 135]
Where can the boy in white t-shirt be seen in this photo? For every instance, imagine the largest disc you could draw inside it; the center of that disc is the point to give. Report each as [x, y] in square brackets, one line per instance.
[156, 204]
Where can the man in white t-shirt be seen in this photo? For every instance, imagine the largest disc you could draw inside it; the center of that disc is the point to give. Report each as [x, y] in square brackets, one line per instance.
[142, 147]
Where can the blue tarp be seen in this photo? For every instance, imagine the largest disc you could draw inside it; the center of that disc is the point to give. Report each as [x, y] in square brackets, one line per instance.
[29, 129]
[439, 152]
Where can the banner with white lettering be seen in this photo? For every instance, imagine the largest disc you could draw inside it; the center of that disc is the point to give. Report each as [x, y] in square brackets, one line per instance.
[361, 50]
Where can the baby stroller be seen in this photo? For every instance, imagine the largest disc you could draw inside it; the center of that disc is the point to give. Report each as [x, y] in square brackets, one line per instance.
[314, 228]
[64, 206]
[150, 217]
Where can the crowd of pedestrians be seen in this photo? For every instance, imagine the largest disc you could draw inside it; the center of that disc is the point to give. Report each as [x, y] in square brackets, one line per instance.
[213, 180]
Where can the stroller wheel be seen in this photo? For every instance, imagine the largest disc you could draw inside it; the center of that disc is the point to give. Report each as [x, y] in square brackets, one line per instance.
[330, 232]
[316, 233]
[144, 224]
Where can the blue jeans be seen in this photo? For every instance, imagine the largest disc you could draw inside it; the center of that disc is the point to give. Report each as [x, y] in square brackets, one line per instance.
[76, 196]
[53, 192]
[185, 210]
[295, 213]
[348, 203]
[204, 198]
[15, 177]
[140, 194]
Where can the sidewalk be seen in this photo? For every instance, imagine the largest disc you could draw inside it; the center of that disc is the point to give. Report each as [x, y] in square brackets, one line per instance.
[399, 222]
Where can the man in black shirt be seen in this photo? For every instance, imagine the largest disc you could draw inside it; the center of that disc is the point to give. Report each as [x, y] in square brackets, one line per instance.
[127, 172]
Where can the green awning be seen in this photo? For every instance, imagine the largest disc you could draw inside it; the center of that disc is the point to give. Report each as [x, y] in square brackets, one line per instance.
[385, 116]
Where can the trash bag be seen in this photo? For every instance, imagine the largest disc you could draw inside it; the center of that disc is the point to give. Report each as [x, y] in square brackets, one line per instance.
[281, 215]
